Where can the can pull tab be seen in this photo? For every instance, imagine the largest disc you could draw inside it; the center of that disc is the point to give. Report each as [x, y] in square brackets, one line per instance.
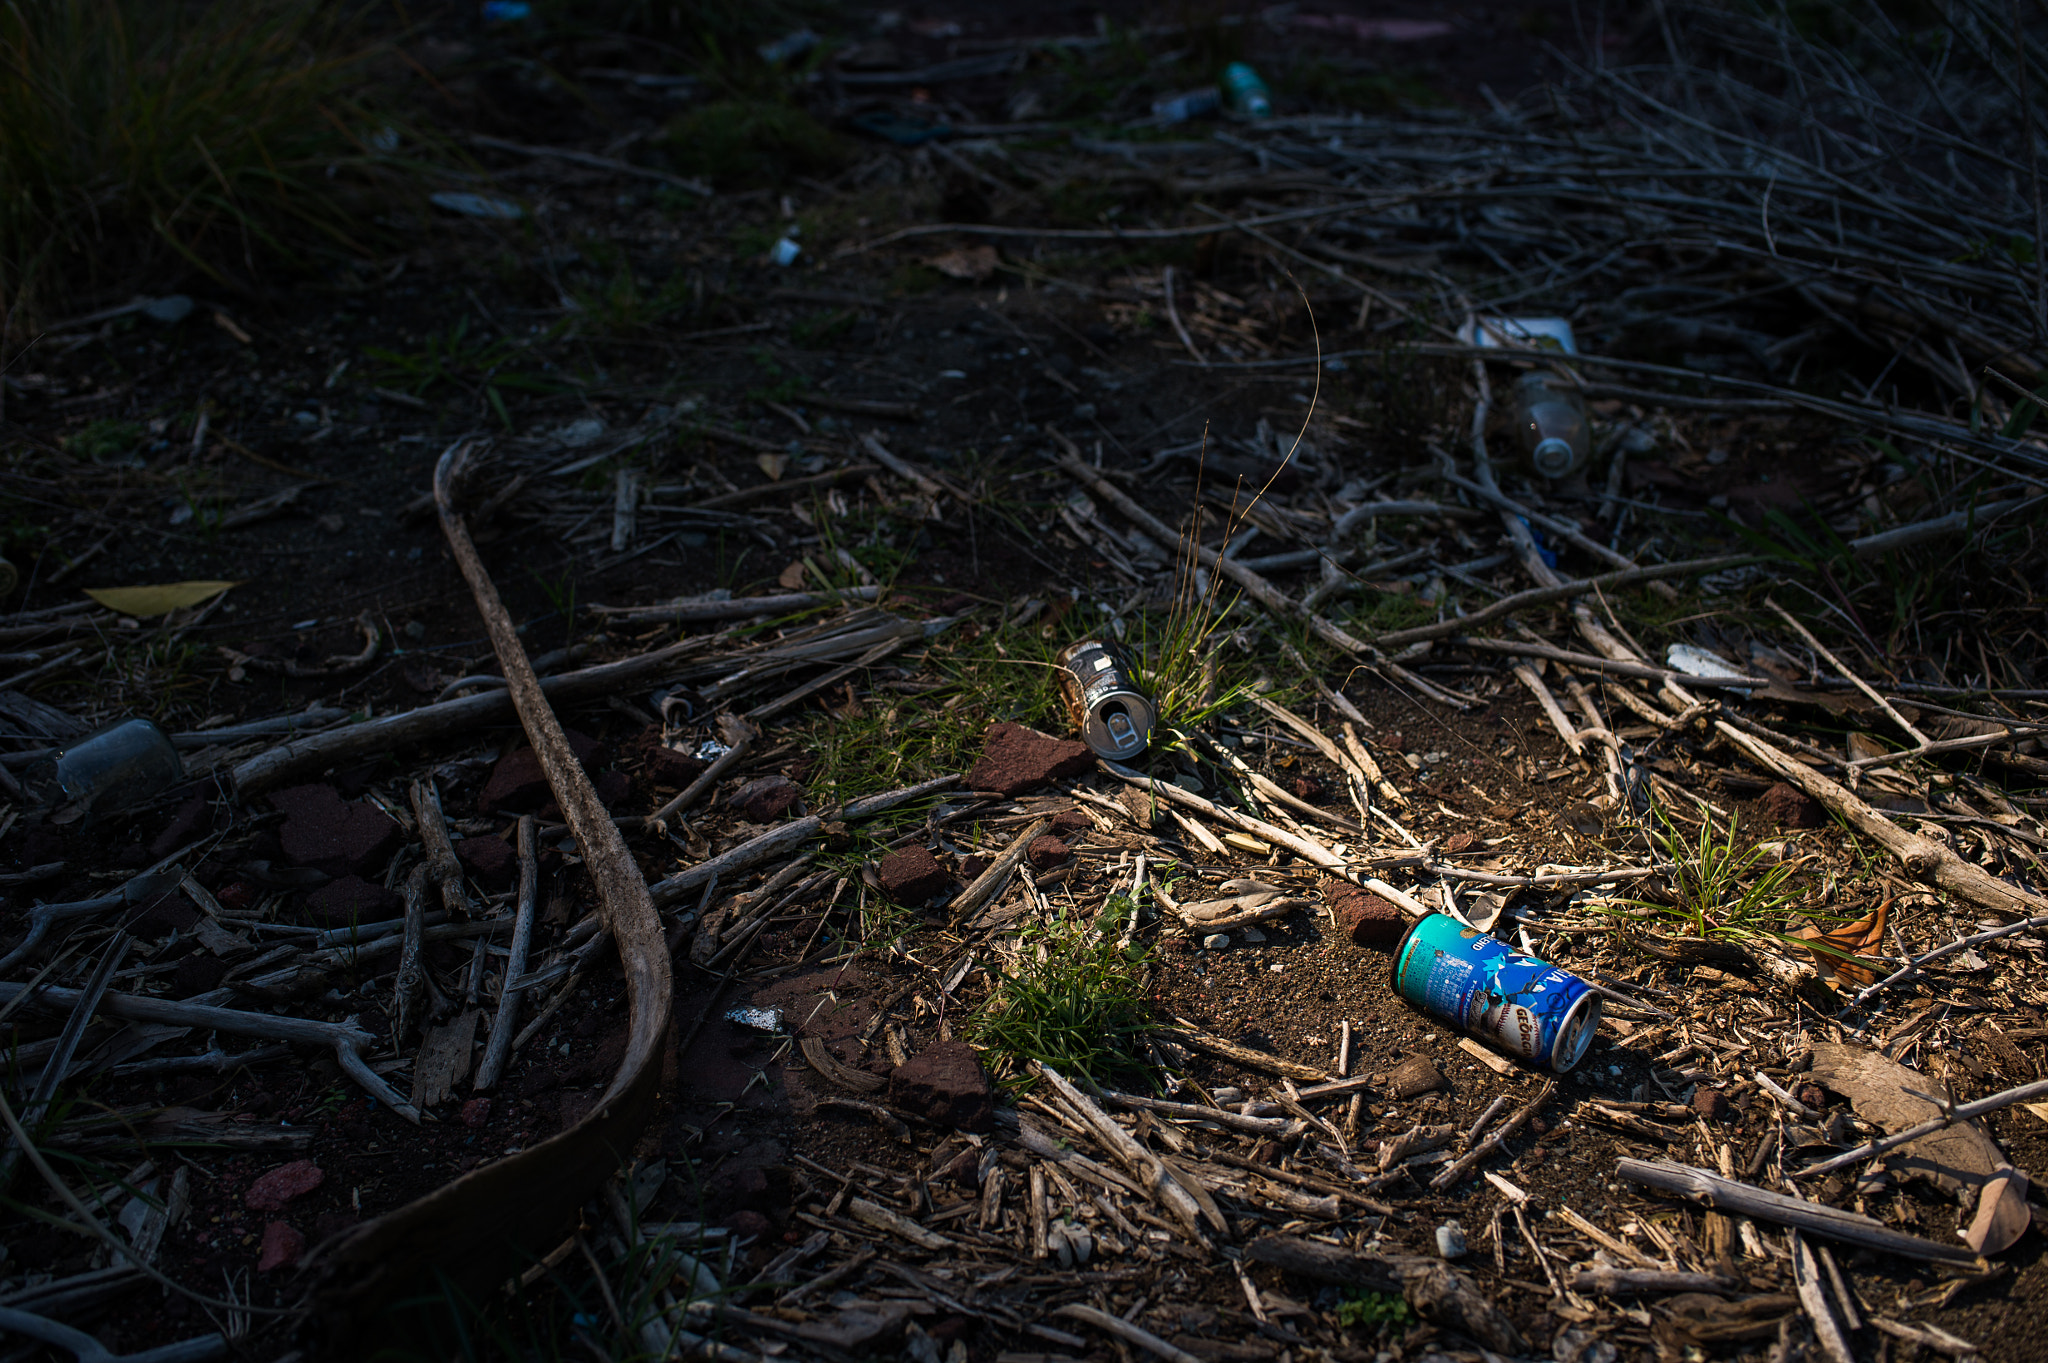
[1120, 728]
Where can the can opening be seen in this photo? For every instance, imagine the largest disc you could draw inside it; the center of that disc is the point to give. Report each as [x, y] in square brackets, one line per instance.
[1117, 719]
[1577, 1037]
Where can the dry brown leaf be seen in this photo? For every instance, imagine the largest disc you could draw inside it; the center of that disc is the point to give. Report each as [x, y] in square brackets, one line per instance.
[966, 262]
[1862, 935]
[1962, 1159]
[2002, 1215]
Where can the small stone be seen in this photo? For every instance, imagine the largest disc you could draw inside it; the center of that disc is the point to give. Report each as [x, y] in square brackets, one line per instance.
[476, 1112]
[1787, 806]
[1450, 1240]
[1046, 852]
[328, 833]
[1216, 941]
[768, 798]
[1712, 1105]
[491, 860]
[1413, 1077]
[1813, 1095]
[281, 1185]
[351, 900]
[1364, 917]
[1307, 788]
[911, 875]
[1015, 760]
[1459, 842]
[519, 785]
[748, 1224]
[282, 1247]
[945, 1086]
[971, 868]
[1068, 822]
[1253, 936]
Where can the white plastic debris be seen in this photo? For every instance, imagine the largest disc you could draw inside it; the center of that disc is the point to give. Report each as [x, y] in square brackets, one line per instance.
[173, 308]
[1520, 333]
[1697, 662]
[477, 205]
[1450, 1240]
[788, 47]
[760, 1019]
[785, 252]
[580, 432]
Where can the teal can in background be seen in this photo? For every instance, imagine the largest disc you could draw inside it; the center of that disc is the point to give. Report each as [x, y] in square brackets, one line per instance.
[1247, 93]
[1486, 988]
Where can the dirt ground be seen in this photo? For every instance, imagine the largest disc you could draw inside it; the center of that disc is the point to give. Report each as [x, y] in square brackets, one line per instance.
[287, 445]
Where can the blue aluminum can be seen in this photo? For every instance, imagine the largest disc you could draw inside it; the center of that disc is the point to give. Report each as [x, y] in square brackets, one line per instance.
[1486, 988]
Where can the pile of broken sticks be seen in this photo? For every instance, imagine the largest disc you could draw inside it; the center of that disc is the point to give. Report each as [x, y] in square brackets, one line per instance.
[1077, 1194]
[1084, 1214]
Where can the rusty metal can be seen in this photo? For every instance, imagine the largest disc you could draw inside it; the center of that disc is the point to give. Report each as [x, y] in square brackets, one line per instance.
[1103, 699]
[1485, 987]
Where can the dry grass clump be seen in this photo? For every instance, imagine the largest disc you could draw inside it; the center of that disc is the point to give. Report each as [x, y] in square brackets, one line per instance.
[138, 136]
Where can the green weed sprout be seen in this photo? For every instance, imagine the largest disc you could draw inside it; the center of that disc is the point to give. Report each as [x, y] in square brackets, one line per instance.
[1708, 876]
[1075, 997]
[1363, 1308]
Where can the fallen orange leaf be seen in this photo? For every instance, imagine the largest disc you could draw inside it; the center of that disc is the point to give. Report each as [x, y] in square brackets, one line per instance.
[1860, 936]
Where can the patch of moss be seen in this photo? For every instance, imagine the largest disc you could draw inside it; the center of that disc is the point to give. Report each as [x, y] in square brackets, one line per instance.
[102, 440]
[1323, 83]
[751, 143]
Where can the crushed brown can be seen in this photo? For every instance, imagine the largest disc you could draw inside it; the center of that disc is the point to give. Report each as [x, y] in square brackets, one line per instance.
[1103, 699]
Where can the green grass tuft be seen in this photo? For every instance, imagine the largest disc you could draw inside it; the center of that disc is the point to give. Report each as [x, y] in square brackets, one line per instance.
[1074, 999]
[895, 740]
[1714, 881]
[104, 439]
[752, 142]
[136, 135]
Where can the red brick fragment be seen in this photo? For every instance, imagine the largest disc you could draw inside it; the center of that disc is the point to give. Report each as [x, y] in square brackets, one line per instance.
[282, 1247]
[1364, 917]
[911, 875]
[1015, 760]
[283, 1184]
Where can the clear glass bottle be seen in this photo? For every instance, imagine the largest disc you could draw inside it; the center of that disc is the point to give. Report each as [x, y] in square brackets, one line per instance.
[1550, 421]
